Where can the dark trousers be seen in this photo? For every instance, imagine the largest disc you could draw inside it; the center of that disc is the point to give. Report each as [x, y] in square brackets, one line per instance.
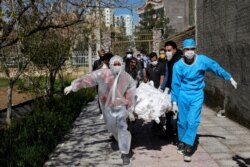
[171, 130]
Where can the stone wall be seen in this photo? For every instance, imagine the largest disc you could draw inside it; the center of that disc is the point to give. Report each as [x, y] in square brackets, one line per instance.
[178, 38]
[223, 33]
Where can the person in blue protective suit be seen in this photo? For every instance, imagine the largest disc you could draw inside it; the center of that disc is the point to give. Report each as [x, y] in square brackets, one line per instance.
[187, 93]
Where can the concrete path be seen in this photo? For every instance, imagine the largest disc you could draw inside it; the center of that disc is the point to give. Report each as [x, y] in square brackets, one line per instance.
[222, 143]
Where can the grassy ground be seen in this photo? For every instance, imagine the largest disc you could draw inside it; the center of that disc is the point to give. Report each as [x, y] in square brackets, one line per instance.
[3, 82]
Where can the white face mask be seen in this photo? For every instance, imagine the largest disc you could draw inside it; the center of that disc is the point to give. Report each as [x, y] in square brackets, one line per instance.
[154, 63]
[169, 55]
[129, 55]
[189, 54]
[116, 69]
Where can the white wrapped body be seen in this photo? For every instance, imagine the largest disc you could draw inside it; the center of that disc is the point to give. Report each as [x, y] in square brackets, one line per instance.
[151, 103]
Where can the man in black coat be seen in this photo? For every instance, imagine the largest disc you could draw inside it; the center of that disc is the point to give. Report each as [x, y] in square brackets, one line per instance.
[99, 63]
[173, 54]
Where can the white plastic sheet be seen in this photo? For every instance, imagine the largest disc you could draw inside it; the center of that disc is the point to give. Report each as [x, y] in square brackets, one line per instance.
[151, 103]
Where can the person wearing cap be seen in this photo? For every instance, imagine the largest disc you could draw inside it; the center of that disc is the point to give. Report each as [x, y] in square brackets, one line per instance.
[187, 93]
[128, 57]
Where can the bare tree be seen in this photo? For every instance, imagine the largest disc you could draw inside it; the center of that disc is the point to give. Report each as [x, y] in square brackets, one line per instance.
[51, 54]
[21, 19]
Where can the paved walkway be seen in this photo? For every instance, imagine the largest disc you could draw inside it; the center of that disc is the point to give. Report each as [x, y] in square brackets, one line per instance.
[222, 143]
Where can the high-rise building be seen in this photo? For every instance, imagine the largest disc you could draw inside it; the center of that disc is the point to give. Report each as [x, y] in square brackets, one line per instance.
[108, 16]
[124, 21]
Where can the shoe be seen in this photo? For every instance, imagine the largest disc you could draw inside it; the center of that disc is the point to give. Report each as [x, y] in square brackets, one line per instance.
[180, 148]
[112, 138]
[101, 117]
[187, 153]
[125, 159]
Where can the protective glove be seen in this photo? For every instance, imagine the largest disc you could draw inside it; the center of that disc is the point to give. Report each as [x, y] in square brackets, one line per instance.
[67, 90]
[234, 83]
[175, 107]
[166, 90]
[131, 116]
[160, 89]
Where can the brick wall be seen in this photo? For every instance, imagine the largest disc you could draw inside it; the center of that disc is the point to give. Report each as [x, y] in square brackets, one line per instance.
[223, 33]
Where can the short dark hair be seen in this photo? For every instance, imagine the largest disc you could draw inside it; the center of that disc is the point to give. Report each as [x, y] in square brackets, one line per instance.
[134, 59]
[171, 43]
[162, 49]
[143, 51]
[107, 56]
[152, 54]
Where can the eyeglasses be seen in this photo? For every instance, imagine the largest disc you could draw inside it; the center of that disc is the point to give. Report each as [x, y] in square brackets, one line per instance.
[189, 48]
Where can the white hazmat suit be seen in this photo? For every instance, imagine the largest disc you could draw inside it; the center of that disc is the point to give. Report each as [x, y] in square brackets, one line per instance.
[116, 95]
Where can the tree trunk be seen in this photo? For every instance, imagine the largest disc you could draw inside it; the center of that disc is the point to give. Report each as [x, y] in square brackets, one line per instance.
[90, 55]
[62, 79]
[9, 103]
[51, 83]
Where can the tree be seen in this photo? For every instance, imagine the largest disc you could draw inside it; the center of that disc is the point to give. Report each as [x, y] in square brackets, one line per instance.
[155, 19]
[50, 55]
[22, 19]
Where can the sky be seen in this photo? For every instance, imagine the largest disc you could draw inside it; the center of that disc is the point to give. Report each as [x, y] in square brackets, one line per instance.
[135, 4]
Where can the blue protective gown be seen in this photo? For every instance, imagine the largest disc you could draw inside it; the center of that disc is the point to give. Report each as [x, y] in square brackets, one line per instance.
[187, 90]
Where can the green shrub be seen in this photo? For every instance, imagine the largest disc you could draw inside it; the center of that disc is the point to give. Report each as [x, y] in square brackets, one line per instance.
[29, 141]
[3, 82]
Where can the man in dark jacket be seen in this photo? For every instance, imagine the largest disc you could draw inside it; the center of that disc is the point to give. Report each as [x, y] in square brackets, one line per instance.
[103, 62]
[99, 63]
[155, 71]
[173, 54]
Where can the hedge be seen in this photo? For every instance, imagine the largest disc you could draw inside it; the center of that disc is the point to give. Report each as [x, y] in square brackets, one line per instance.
[30, 140]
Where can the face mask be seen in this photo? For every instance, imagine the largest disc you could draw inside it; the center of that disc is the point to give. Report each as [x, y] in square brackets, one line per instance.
[129, 55]
[162, 56]
[138, 58]
[169, 55]
[189, 54]
[116, 69]
[154, 63]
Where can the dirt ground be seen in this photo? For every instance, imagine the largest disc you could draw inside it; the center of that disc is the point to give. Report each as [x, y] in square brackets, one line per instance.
[17, 97]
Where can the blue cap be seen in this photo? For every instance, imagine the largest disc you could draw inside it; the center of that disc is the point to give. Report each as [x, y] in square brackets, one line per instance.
[189, 43]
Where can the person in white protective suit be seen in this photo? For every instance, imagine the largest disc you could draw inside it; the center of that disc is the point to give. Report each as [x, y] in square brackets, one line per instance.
[117, 98]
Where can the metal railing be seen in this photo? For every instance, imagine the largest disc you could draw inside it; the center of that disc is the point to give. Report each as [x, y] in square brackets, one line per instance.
[80, 58]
